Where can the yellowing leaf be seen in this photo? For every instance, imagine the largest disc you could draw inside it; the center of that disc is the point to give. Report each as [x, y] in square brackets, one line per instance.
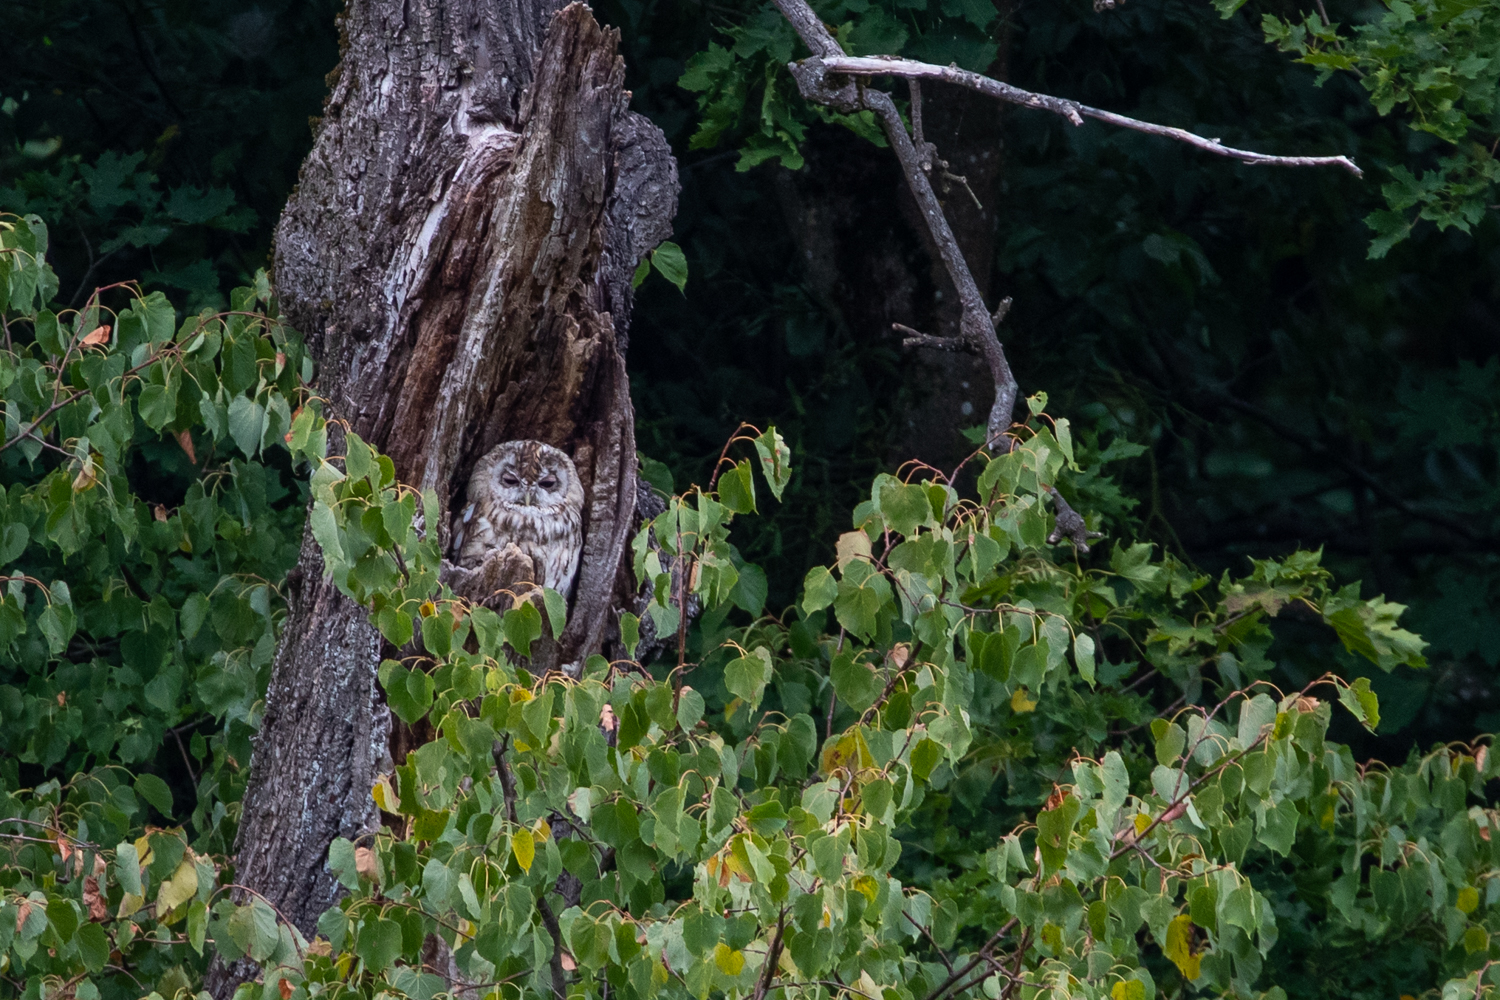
[849, 752]
[1468, 899]
[427, 609]
[1141, 821]
[1128, 989]
[129, 903]
[852, 545]
[1180, 946]
[867, 887]
[523, 846]
[179, 888]
[731, 961]
[385, 797]
[1021, 702]
[543, 831]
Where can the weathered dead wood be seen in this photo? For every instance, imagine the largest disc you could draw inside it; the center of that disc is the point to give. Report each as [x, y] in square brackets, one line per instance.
[458, 253]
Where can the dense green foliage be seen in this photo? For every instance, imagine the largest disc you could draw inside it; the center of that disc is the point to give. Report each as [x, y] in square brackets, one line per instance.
[723, 830]
[148, 523]
[955, 760]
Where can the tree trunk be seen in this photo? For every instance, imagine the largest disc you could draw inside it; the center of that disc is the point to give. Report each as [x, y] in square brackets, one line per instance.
[459, 254]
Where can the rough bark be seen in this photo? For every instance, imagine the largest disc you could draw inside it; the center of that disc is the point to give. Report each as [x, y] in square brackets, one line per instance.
[458, 254]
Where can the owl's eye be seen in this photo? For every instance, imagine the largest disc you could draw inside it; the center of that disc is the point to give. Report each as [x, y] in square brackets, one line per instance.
[548, 483]
[509, 479]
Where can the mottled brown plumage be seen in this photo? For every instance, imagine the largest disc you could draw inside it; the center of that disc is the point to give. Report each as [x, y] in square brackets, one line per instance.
[522, 522]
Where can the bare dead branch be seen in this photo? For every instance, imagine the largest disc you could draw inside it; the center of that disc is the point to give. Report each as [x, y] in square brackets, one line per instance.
[916, 338]
[817, 85]
[866, 66]
[1001, 311]
[1070, 524]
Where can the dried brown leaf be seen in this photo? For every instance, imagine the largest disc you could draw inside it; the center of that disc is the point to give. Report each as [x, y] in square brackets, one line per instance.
[185, 442]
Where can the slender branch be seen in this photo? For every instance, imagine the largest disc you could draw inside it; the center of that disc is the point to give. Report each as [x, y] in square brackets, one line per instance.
[942, 955]
[543, 908]
[916, 338]
[773, 958]
[1071, 110]
[559, 976]
[981, 955]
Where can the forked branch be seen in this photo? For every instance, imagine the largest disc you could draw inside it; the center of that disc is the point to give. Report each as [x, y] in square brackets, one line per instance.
[976, 329]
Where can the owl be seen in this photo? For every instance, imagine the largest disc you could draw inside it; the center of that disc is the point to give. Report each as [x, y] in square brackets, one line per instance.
[522, 521]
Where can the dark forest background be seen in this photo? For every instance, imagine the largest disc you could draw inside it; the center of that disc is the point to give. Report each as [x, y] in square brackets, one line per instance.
[1283, 388]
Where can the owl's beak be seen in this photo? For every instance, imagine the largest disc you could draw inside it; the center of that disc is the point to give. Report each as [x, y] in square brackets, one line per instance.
[531, 498]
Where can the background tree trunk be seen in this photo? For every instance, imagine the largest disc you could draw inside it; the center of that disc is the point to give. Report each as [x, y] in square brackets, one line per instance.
[459, 254]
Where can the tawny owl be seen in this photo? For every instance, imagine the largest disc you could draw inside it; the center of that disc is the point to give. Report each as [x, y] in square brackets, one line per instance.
[523, 521]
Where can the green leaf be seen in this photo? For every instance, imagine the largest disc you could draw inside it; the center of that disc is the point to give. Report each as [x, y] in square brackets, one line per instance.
[157, 405]
[1370, 629]
[641, 270]
[819, 589]
[737, 488]
[1361, 701]
[13, 542]
[1053, 828]
[197, 925]
[94, 946]
[1083, 655]
[671, 263]
[557, 611]
[247, 424]
[747, 676]
[856, 682]
[128, 868]
[438, 883]
[857, 607]
[925, 757]
[341, 863]
[522, 625]
[689, 709]
[379, 944]
[63, 917]
[1171, 740]
[775, 460]
[630, 633]
[155, 791]
[905, 508]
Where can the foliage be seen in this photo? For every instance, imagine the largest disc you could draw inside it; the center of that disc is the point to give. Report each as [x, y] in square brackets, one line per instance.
[629, 831]
[1436, 61]
[149, 518]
